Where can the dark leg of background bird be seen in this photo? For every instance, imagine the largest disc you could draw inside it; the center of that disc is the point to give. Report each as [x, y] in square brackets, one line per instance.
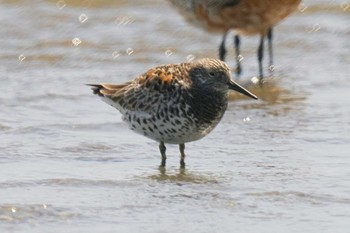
[238, 53]
[182, 152]
[269, 39]
[260, 57]
[162, 149]
[222, 48]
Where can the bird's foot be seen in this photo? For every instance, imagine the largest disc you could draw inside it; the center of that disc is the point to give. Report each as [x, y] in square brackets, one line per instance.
[182, 164]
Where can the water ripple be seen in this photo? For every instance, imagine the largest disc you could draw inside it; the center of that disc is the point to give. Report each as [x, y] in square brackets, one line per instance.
[68, 182]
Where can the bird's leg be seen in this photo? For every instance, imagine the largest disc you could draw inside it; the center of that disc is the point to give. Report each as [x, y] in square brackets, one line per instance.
[260, 57]
[238, 55]
[162, 149]
[182, 152]
[269, 39]
[222, 49]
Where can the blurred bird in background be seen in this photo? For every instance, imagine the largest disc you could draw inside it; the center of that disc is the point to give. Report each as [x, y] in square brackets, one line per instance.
[245, 17]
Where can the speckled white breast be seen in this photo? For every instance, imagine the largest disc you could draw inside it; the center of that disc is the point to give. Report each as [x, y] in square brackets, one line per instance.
[171, 129]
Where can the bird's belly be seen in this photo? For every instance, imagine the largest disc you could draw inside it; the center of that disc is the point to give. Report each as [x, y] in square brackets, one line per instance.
[172, 129]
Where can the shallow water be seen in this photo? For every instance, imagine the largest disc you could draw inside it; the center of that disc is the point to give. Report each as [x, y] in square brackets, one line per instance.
[68, 162]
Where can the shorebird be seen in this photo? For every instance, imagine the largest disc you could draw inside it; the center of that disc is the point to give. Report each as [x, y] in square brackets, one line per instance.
[246, 17]
[175, 103]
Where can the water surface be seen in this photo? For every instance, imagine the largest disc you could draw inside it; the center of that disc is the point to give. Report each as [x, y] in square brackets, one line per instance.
[68, 163]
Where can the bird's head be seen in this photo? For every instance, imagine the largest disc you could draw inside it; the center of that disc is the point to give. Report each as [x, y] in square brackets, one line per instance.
[213, 73]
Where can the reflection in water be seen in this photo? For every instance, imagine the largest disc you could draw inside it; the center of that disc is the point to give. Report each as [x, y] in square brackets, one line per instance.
[182, 175]
[271, 94]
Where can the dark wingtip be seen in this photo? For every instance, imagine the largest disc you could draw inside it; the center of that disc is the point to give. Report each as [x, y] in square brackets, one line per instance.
[96, 89]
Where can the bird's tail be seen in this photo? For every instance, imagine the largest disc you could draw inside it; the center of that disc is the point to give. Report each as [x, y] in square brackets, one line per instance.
[105, 89]
[96, 89]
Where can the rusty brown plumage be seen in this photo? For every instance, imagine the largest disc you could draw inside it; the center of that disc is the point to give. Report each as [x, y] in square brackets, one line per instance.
[246, 17]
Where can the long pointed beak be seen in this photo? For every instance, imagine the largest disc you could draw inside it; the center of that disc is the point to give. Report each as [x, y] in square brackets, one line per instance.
[235, 86]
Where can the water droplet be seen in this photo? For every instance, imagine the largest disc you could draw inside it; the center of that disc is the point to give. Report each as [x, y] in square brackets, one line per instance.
[314, 28]
[190, 58]
[168, 53]
[13, 209]
[76, 41]
[247, 119]
[255, 80]
[124, 20]
[240, 58]
[61, 4]
[21, 57]
[44, 206]
[302, 7]
[116, 54]
[345, 6]
[83, 18]
[129, 51]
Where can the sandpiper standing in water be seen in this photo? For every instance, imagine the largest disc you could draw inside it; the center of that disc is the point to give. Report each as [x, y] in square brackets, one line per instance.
[246, 17]
[176, 103]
